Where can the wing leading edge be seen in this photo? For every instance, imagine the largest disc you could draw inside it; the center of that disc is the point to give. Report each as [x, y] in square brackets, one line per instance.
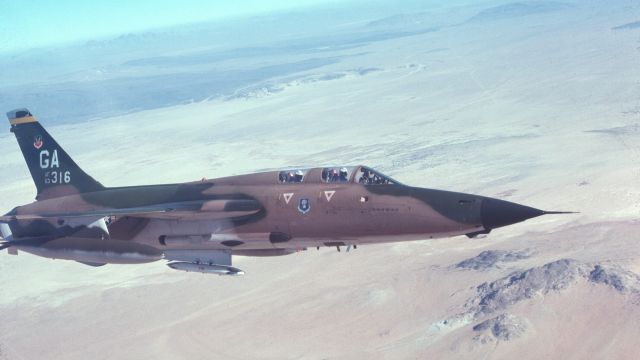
[214, 209]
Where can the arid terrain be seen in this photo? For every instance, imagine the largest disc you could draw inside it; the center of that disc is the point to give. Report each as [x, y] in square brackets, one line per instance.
[532, 102]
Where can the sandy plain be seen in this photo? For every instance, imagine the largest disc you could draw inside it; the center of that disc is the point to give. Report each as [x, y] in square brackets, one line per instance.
[541, 109]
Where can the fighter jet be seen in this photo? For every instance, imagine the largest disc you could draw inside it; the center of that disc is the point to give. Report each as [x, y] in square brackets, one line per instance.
[199, 226]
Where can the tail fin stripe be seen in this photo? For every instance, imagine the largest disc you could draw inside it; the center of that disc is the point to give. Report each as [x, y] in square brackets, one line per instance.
[23, 120]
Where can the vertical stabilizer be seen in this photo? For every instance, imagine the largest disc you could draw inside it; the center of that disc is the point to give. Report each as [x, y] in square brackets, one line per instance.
[52, 169]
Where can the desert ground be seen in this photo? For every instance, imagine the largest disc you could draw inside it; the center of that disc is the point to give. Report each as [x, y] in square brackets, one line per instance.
[532, 102]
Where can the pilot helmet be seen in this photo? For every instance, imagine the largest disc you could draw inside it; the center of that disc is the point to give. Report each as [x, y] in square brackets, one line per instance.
[343, 171]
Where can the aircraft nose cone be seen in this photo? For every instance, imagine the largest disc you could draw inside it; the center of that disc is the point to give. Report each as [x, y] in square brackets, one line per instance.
[497, 213]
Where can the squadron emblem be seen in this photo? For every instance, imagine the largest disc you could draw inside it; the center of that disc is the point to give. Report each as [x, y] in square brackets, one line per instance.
[37, 142]
[304, 206]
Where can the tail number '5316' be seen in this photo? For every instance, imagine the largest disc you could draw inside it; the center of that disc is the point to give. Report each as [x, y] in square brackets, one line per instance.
[50, 162]
[57, 177]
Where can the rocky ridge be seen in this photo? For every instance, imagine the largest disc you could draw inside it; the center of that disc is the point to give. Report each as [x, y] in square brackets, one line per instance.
[500, 295]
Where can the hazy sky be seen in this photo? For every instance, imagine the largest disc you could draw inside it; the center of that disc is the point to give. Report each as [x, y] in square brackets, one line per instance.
[32, 23]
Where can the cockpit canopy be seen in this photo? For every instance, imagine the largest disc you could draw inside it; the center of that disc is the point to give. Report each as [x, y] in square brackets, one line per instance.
[292, 176]
[339, 174]
[367, 176]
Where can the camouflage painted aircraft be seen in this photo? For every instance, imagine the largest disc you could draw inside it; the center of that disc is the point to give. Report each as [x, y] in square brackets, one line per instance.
[198, 226]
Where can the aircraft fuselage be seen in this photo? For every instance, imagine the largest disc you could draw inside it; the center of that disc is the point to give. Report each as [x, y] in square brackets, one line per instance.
[287, 216]
[273, 213]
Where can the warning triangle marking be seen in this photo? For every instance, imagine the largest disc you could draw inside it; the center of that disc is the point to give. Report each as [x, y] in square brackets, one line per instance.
[287, 197]
[329, 194]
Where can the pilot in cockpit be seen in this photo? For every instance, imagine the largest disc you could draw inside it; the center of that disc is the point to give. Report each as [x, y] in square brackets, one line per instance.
[365, 178]
[344, 173]
[334, 176]
[325, 175]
